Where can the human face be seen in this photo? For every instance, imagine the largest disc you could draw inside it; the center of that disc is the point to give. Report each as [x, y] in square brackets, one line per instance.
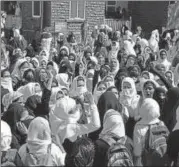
[24, 68]
[163, 55]
[43, 64]
[162, 95]
[168, 75]
[21, 101]
[43, 75]
[59, 95]
[71, 58]
[114, 90]
[127, 85]
[80, 83]
[130, 61]
[108, 79]
[113, 64]
[37, 88]
[65, 91]
[101, 59]
[88, 55]
[101, 87]
[43, 53]
[35, 64]
[6, 74]
[149, 90]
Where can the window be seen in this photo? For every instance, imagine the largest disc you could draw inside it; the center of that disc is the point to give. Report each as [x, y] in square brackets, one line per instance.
[77, 9]
[110, 9]
[36, 8]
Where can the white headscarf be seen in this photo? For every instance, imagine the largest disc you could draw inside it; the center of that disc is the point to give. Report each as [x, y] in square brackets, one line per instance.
[63, 80]
[114, 72]
[65, 113]
[149, 112]
[8, 98]
[176, 75]
[30, 90]
[169, 71]
[129, 48]
[6, 136]
[151, 76]
[38, 136]
[154, 40]
[177, 118]
[126, 99]
[78, 91]
[6, 83]
[113, 124]
[165, 62]
[66, 48]
[36, 60]
[109, 84]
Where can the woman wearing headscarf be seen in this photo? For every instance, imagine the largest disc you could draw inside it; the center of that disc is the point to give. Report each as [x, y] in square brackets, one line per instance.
[35, 62]
[18, 119]
[64, 123]
[173, 144]
[114, 65]
[40, 146]
[17, 74]
[6, 80]
[160, 96]
[131, 100]
[163, 59]
[170, 106]
[108, 80]
[150, 113]
[176, 75]
[43, 62]
[147, 75]
[107, 101]
[78, 87]
[170, 76]
[113, 130]
[8, 156]
[31, 104]
[29, 76]
[89, 79]
[29, 90]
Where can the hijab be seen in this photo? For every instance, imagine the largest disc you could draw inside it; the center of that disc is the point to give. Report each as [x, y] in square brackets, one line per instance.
[6, 83]
[36, 60]
[38, 136]
[108, 83]
[63, 80]
[65, 112]
[165, 62]
[150, 75]
[9, 98]
[6, 136]
[128, 95]
[89, 79]
[128, 47]
[30, 89]
[153, 41]
[172, 79]
[149, 112]
[114, 71]
[78, 91]
[176, 75]
[31, 103]
[113, 124]
[170, 106]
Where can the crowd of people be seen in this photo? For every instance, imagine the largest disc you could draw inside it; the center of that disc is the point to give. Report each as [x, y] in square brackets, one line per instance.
[113, 101]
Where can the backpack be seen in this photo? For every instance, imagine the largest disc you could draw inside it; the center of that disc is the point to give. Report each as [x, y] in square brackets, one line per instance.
[8, 158]
[154, 153]
[118, 154]
[42, 160]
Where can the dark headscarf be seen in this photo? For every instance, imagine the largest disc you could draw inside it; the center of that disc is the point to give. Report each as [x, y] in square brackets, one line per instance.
[106, 102]
[170, 106]
[156, 96]
[31, 104]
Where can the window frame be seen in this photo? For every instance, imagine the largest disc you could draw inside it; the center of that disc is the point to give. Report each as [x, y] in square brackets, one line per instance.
[36, 16]
[77, 11]
[106, 7]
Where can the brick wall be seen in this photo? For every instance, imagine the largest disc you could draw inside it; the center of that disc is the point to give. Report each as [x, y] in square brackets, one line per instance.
[149, 14]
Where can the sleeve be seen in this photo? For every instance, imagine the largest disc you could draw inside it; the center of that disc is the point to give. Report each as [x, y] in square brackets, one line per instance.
[93, 125]
[137, 139]
[95, 79]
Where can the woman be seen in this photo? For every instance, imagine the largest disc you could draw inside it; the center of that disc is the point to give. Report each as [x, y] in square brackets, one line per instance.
[114, 65]
[173, 144]
[99, 90]
[17, 74]
[176, 75]
[29, 90]
[18, 119]
[39, 145]
[8, 156]
[160, 96]
[78, 87]
[29, 76]
[131, 60]
[89, 79]
[163, 59]
[113, 130]
[64, 123]
[43, 62]
[107, 101]
[108, 80]
[170, 106]
[35, 62]
[6, 80]
[170, 77]
[150, 113]
[147, 75]
[31, 104]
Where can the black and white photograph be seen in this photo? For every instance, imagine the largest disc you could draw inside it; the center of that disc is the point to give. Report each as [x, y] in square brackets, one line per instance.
[90, 83]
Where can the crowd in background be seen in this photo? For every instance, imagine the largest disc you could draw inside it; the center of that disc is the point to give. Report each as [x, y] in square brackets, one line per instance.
[113, 101]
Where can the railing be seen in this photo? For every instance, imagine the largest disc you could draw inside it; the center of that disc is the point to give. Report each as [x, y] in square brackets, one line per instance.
[117, 24]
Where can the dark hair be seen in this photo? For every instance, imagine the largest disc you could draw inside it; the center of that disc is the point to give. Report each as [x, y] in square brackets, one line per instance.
[138, 47]
[81, 154]
[110, 88]
[149, 82]
[50, 63]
